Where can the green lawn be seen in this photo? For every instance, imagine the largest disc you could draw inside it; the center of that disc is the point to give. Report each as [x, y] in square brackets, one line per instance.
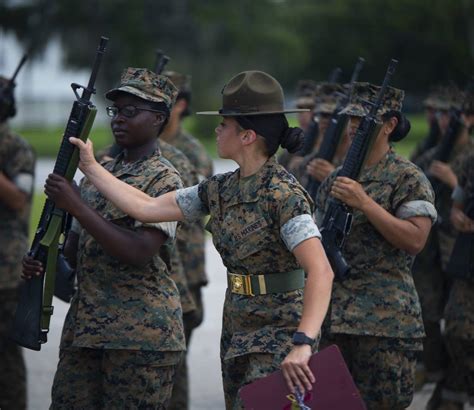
[46, 143]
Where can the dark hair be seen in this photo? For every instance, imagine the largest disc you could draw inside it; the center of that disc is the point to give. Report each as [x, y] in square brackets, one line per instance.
[402, 128]
[275, 130]
[186, 96]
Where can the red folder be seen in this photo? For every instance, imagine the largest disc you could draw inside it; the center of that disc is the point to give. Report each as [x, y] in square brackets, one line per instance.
[334, 388]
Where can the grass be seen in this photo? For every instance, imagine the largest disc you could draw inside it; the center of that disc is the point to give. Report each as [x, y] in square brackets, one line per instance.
[46, 143]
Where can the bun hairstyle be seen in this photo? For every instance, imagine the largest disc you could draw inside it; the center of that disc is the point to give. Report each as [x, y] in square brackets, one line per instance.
[402, 128]
[275, 130]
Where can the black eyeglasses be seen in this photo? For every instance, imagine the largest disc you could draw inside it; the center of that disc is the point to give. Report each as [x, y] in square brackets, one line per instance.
[128, 111]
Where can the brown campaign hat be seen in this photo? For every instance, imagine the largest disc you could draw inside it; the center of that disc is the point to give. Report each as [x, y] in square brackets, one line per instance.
[252, 93]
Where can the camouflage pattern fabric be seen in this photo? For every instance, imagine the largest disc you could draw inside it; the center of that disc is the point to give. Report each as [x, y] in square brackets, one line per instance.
[284, 159]
[243, 370]
[146, 84]
[383, 369]
[16, 159]
[246, 215]
[327, 96]
[118, 306]
[184, 234]
[446, 232]
[113, 379]
[305, 90]
[12, 365]
[194, 263]
[181, 81]
[379, 296]
[392, 100]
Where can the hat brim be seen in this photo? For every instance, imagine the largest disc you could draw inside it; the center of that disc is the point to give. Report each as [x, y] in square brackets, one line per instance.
[228, 113]
[112, 94]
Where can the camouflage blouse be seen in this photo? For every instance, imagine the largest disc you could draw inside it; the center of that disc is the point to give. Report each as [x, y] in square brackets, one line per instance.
[119, 306]
[17, 163]
[379, 296]
[255, 223]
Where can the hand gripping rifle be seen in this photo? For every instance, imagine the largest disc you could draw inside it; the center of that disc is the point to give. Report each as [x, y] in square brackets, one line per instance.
[33, 314]
[335, 131]
[312, 132]
[448, 142]
[338, 218]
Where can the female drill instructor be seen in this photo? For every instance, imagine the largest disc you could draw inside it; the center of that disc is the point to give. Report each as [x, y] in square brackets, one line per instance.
[375, 314]
[123, 334]
[261, 222]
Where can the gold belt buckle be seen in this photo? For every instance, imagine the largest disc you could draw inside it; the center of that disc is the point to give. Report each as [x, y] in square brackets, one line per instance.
[241, 284]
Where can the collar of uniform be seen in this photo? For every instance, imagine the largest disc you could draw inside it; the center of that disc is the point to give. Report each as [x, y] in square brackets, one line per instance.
[135, 168]
[232, 192]
[369, 173]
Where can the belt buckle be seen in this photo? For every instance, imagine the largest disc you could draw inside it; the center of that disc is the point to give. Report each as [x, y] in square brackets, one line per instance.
[241, 284]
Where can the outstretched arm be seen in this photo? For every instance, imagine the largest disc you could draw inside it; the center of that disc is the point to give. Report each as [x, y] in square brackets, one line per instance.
[130, 200]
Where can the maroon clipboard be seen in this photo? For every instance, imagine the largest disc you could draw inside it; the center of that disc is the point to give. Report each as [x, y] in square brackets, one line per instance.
[334, 388]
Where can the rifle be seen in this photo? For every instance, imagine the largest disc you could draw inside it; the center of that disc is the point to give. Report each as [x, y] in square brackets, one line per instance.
[160, 61]
[334, 132]
[34, 310]
[312, 132]
[6, 92]
[461, 262]
[338, 218]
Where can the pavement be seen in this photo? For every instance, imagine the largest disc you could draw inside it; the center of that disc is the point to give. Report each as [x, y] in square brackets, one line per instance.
[204, 367]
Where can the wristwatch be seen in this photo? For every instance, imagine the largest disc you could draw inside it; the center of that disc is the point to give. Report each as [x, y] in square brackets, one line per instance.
[300, 338]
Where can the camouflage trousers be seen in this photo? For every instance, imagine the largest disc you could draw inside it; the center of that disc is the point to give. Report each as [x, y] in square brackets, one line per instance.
[242, 370]
[12, 365]
[113, 379]
[432, 286]
[458, 384]
[191, 320]
[383, 368]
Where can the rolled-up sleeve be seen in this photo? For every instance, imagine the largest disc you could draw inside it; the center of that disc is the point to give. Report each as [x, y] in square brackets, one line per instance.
[190, 203]
[297, 230]
[417, 208]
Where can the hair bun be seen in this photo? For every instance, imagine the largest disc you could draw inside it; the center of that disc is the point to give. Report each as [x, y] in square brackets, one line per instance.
[292, 139]
[402, 129]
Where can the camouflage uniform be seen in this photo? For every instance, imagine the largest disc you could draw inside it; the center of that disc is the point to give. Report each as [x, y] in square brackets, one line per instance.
[458, 385]
[125, 321]
[432, 282]
[248, 218]
[17, 163]
[327, 96]
[191, 242]
[375, 315]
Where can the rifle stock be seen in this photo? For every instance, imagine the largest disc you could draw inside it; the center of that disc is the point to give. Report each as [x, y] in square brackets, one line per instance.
[34, 310]
[338, 217]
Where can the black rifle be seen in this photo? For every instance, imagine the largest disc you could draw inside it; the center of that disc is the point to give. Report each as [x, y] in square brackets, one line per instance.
[335, 131]
[33, 314]
[161, 61]
[312, 132]
[6, 92]
[461, 262]
[432, 138]
[338, 217]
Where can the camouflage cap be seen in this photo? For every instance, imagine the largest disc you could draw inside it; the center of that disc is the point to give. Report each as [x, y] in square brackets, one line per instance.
[145, 84]
[445, 98]
[181, 81]
[366, 92]
[468, 104]
[327, 95]
[305, 90]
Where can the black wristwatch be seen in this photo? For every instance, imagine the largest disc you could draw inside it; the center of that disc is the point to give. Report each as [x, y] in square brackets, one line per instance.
[300, 338]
